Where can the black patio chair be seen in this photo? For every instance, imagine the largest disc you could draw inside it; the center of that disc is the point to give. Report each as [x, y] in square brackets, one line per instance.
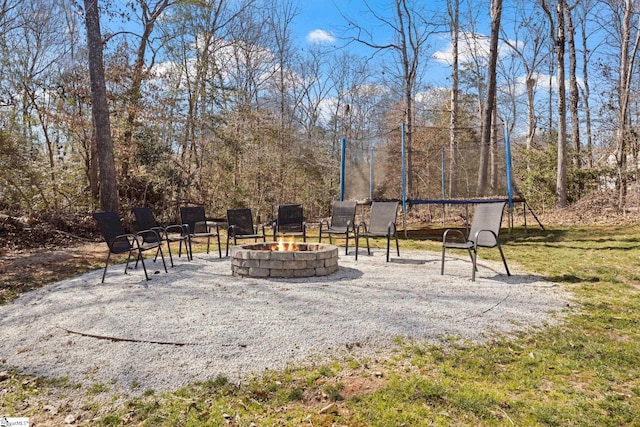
[290, 222]
[121, 242]
[145, 220]
[343, 215]
[484, 233]
[382, 223]
[240, 227]
[195, 219]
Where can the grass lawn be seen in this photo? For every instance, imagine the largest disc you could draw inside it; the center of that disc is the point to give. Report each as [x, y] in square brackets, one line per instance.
[583, 372]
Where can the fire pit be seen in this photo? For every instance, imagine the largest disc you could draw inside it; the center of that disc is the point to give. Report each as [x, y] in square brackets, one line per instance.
[280, 259]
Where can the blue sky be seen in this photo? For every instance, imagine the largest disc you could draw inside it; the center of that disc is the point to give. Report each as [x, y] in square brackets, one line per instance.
[322, 22]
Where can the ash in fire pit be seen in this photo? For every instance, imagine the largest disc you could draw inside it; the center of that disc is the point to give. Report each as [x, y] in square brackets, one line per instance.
[279, 259]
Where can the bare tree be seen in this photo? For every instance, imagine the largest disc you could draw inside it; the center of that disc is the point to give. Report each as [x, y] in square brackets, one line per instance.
[583, 8]
[574, 93]
[526, 43]
[558, 37]
[629, 45]
[489, 106]
[453, 7]
[411, 31]
[100, 109]
[561, 180]
[149, 14]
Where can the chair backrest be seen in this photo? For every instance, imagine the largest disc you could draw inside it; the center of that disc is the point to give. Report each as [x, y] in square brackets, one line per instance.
[192, 215]
[145, 220]
[487, 216]
[241, 220]
[111, 227]
[382, 213]
[342, 213]
[290, 218]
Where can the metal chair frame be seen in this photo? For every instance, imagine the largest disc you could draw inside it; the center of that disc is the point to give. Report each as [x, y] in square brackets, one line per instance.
[484, 233]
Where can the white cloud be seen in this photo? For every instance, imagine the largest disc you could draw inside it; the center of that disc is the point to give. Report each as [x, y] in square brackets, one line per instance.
[471, 48]
[320, 37]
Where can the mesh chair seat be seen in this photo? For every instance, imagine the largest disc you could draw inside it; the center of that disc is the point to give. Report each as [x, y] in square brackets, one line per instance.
[120, 242]
[343, 215]
[290, 222]
[240, 226]
[484, 233]
[145, 220]
[195, 220]
[382, 223]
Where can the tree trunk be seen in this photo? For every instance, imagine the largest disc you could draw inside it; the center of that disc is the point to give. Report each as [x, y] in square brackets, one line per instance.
[489, 106]
[100, 109]
[628, 54]
[573, 90]
[454, 12]
[586, 91]
[493, 154]
[561, 177]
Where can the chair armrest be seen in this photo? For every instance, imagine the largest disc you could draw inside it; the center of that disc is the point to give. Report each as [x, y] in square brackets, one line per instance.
[186, 228]
[199, 226]
[161, 231]
[129, 237]
[362, 226]
[458, 235]
[479, 232]
[390, 227]
[179, 228]
[155, 230]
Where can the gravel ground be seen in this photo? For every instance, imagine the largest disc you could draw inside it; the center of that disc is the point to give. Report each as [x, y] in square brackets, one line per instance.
[198, 321]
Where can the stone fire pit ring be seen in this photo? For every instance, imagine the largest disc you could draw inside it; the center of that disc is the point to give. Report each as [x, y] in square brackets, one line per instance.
[266, 260]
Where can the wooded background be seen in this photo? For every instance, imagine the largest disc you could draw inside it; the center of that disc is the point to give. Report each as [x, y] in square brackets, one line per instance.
[214, 102]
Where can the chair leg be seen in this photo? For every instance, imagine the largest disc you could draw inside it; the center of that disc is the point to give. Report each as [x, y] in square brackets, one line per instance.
[475, 251]
[186, 248]
[170, 255]
[397, 246]
[106, 264]
[208, 243]
[129, 259]
[444, 248]
[388, 245]
[143, 266]
[346, 244]
[164, 264]
[504, 261]
[357, 244]
[158, 251]
[474, 258]
[219, 246]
